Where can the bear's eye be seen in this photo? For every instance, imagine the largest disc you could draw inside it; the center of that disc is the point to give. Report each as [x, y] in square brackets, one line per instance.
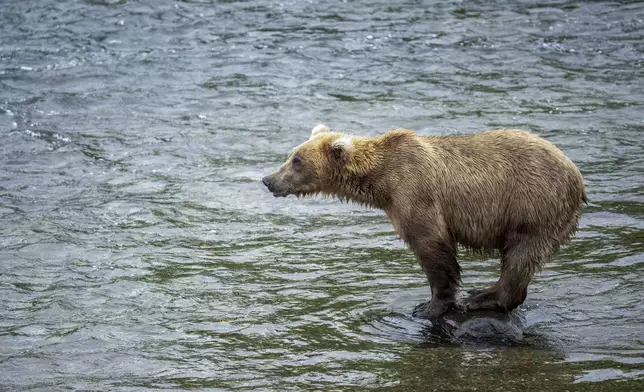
[296, 161]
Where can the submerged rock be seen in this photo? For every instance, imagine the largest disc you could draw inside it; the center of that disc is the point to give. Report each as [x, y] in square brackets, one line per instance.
[478, 326]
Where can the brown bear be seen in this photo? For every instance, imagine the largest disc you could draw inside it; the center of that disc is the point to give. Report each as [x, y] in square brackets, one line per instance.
[505, 190]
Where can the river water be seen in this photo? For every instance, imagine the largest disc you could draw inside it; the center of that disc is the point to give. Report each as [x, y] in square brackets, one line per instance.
[139, 250]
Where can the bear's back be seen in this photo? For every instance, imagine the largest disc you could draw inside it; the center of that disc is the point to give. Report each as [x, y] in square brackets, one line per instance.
[493, 182]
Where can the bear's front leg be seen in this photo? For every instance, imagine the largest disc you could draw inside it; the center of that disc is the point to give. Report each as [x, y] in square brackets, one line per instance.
[438, 260]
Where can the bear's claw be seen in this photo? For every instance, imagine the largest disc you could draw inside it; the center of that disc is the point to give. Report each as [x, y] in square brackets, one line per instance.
[432, 309]
[481, 299]
[473, 292]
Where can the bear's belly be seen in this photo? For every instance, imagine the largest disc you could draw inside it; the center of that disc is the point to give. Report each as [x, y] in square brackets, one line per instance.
[479, 237]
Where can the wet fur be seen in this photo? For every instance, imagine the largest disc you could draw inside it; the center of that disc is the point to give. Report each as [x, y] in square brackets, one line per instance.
[505, 191]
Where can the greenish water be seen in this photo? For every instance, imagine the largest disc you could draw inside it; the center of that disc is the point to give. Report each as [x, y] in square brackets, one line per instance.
[139, 250]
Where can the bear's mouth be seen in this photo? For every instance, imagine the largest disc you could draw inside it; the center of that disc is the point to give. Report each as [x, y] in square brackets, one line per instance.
[280, 194]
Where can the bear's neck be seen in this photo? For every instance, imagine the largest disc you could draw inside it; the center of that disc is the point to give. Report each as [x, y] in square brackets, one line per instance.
[360, 189]
[361, 180]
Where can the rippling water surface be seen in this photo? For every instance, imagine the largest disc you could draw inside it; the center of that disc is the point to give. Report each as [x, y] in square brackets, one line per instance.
[139, 251]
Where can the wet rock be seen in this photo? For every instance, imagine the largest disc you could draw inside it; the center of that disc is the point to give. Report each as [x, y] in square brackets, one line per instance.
[478, 326]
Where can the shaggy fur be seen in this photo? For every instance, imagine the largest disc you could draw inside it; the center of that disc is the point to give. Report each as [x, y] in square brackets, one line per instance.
[505, 190]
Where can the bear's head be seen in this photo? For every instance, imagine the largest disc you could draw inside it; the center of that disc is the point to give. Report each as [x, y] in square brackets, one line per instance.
[314, 166]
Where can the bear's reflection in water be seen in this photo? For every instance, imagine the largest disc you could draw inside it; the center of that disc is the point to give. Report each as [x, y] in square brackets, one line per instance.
[473, 326]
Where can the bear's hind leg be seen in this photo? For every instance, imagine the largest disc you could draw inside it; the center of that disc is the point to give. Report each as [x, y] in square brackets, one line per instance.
[519, 262]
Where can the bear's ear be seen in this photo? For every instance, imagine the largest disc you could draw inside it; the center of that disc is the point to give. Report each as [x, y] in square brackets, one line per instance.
[319, 129]
[341, 148]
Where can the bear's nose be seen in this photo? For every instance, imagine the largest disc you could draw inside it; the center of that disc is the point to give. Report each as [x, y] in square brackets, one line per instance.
[267, 181]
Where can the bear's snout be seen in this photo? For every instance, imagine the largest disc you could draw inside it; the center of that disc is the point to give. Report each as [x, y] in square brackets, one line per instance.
[268, 181]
